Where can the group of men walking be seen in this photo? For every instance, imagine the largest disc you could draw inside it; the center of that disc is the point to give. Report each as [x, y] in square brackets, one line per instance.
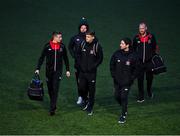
[129, 62]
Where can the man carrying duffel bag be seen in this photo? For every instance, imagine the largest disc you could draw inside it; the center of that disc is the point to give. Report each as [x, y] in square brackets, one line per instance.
[144, 44]
[54, 52]
[35, 89]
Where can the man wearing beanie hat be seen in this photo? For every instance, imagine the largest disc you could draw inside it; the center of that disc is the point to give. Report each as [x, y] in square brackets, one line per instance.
[55, 53]
[145, 45]
[74, 44]
[124, 69]
[89, 57]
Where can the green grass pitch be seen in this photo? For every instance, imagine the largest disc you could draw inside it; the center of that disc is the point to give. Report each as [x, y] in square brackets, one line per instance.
[26, 25]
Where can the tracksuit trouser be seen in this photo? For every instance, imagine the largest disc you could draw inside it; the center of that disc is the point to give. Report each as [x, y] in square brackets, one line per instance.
[53, 81]
[87, 84]
[121, 96]
[149, 79]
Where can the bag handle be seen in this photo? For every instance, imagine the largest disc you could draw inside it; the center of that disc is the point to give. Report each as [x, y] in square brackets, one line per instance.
[36, 76]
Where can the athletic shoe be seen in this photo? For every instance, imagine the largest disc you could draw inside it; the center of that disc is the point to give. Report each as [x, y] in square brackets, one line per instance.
[90, 113]
[52, 113]
[85, 107]
[79, 101]
[140, 100]
[122, 119]
[151, 96]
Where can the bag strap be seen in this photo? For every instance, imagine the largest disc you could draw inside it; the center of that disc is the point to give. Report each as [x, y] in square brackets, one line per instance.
[83, 45]
[157, 55]
[95, 48]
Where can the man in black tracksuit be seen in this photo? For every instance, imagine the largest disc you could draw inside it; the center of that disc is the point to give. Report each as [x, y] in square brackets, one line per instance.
[145, 45]
[89, 57]
[124, 67]
[74, 44]
[54, 52]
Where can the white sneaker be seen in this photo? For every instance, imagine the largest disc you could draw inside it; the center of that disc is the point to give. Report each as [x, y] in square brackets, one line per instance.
[79, 101]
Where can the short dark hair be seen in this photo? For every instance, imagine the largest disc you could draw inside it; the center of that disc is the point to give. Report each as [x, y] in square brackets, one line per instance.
[56, 33]
[92, 33]
[127, 41]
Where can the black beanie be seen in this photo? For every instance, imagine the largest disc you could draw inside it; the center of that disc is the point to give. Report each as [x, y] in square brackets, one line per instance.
[83, 21]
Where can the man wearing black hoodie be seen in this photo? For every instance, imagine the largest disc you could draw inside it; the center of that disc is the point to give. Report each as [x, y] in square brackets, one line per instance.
[89, 57]
[55, 53]
[74, 44]
[124, 69]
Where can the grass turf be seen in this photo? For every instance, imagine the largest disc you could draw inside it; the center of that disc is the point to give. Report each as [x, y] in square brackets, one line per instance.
[27, 24]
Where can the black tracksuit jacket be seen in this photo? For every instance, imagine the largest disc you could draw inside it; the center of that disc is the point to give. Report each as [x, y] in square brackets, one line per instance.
[124, 67]
[89, 56]
[74, 45]
[54, 59]
[145, 46]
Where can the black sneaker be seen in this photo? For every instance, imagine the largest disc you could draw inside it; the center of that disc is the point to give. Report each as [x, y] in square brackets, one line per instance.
[85, 106]
[52, 113]
[90, 113]
[126, 113]
[151, 96]
[122, 119]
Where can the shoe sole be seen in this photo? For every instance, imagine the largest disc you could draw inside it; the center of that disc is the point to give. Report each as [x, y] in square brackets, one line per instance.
[120, 122]
[78, 103]
[140, 101]
[90, 114]
[85, 108]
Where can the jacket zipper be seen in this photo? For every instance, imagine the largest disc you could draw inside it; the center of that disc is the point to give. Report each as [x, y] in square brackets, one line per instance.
[144, 52]
[55, 59]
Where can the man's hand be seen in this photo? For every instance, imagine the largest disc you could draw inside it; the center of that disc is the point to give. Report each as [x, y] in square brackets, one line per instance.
[68, 73]
[37, 72]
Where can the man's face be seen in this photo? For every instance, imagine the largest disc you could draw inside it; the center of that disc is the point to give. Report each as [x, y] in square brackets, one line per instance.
[89, 38]
[142, 29]
[58, 38]
[123, 45]
[83, 29]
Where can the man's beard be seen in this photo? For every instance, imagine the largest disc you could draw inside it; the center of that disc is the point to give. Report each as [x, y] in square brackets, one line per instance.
[142, 33]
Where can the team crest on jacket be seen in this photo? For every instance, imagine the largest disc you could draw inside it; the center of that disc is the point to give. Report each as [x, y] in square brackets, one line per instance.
[60, 50]
[77, 39]
[149, 41]
[128, 63]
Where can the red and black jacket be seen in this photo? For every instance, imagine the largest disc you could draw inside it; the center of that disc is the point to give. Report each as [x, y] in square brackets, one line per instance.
[54, 54]
[145, 46]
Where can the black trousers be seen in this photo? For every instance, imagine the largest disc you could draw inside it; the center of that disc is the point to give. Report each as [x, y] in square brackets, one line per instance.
[53, 81]
[149, 78]
[80, 93]
[121, 96]
[87, 84]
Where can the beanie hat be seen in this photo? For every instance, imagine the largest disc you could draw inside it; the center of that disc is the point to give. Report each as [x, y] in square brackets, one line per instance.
[83, 21]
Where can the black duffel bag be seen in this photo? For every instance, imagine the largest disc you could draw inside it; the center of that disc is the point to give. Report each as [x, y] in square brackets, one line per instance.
[158, 65]
[35, 89]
